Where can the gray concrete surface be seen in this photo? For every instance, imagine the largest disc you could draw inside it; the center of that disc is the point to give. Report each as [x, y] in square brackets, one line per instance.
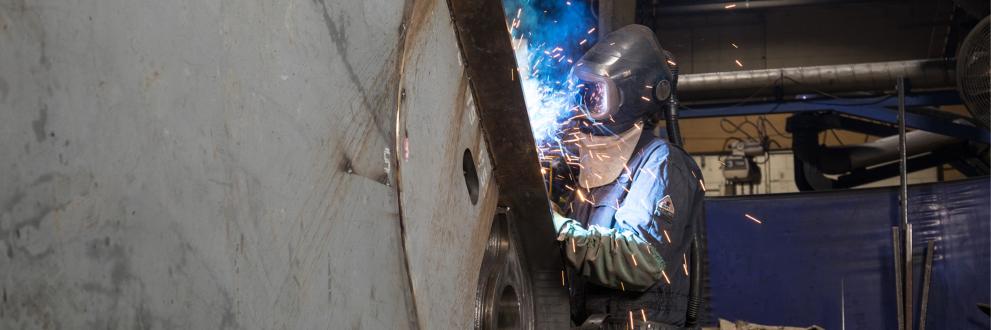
[201, 165]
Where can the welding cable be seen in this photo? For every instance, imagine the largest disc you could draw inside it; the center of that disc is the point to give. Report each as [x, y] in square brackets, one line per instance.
[763, 120]
[736, 128]
[837, 137]
[727, 141]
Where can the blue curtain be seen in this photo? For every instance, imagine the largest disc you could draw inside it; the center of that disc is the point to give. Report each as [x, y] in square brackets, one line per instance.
[818, 256]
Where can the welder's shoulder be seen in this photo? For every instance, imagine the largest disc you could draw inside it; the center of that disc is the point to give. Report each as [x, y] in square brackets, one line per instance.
[656, 150]
[660, 151]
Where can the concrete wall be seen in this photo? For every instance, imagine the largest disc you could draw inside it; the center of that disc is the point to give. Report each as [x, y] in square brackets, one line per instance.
[200, 164]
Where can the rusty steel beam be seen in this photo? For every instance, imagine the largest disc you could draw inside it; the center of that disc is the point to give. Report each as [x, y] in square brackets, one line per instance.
[491, 66]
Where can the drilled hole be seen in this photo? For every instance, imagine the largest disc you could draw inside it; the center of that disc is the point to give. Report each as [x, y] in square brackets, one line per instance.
[471, 176]
[508, 312]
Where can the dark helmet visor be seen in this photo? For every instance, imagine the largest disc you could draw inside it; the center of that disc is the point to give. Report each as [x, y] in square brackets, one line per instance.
[597, 96]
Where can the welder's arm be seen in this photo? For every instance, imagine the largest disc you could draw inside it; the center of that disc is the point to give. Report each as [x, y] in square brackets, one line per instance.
[609, 258]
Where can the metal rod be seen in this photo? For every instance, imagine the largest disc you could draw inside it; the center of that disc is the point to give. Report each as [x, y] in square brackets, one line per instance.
[908, 298]
[909, 284]
[897, 251]
[843, 304]
[902, 149]
[926, 283]
[708, 7]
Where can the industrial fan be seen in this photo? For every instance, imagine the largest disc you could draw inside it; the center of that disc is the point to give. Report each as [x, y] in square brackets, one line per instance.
[974, 73]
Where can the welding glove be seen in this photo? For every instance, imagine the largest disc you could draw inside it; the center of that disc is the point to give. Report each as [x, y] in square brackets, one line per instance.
[559, 221]
[610, 258]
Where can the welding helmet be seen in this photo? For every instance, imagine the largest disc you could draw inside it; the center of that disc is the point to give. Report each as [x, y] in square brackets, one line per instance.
[621, 80]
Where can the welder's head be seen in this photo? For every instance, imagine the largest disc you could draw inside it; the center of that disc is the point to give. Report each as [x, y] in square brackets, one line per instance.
[621, 80]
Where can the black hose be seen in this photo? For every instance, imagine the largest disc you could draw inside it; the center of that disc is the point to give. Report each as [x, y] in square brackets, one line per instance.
[671, 114]
[692, 319]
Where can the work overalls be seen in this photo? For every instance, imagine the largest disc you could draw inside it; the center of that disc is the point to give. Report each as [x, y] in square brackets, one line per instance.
[658, 199]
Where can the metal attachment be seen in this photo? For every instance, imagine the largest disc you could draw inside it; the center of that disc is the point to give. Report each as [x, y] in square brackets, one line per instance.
[663, 90]
[503, 299]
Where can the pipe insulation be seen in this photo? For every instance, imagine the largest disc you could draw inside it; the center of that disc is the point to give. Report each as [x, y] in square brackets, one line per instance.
[843, 159]
[926, 74]
[695, 7]
[886, 149]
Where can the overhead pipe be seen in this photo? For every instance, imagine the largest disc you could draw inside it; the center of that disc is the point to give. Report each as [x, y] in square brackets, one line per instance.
[709, 7]
[787, 83]
[843, 159]
[846, 158]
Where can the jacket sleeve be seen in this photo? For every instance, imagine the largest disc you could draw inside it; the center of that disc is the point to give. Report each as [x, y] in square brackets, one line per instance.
[626, 256]
[611, 258]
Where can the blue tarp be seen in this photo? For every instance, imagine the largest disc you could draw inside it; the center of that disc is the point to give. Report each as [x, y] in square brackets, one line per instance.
[818, 255]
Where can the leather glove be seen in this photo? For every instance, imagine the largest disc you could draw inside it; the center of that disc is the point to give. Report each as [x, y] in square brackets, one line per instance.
[559, 221]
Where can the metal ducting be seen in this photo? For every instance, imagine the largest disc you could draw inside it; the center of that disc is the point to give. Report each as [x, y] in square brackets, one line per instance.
[694, 7]
[843, 159]
[886, 149]
[858, 164]
[928, 74]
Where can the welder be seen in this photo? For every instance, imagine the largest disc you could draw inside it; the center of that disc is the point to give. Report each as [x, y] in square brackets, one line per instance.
[629, 228]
